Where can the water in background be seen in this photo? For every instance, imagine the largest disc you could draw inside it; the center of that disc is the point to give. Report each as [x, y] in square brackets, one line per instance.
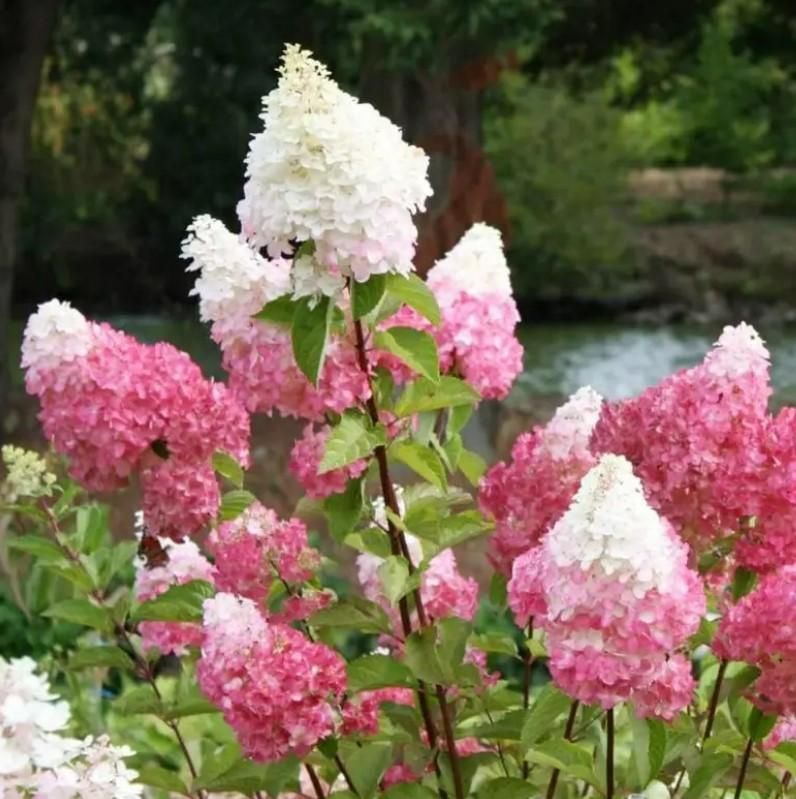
[620, 360]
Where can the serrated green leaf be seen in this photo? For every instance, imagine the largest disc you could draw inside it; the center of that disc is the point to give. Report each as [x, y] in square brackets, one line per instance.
[279, 311]
[91, 528]
[416, 349]
[453, 449]
[343, 511]
[366, 767]
[568, 757]
[546, 708]
[101, 657]
[472, 466]
[247, 777]
[81, 611]
[421, 460]
[43, 549]
[122, 555]
[353, 613]
[225, 465]
[157, 777]
[458, 418]
[377, 671]
[310, 334]
[367, 295]
[649, 748]
[413, 292]
[743, 581]
[350, 440]
[426, 395]
[507, 728]
[461, 527]
[234, 503]
[177, 603]
[760, 724]
[422, 656]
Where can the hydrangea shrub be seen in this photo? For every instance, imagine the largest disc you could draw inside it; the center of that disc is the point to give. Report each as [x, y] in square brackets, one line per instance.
[644, 551]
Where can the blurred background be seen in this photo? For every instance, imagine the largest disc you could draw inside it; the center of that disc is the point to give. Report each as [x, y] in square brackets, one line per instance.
[639, 158]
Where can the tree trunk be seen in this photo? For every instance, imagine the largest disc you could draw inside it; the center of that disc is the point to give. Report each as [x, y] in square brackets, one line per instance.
[441, 112]
[25, 27]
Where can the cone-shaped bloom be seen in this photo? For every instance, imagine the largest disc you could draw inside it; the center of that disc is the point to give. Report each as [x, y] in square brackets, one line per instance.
[527, 495]
[331, 170]
[611, 587]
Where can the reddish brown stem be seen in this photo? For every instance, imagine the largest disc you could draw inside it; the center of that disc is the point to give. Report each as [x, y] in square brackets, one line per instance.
[714, 701]
[747, 753]
[399, 547]
[609, 755]
[316, 783]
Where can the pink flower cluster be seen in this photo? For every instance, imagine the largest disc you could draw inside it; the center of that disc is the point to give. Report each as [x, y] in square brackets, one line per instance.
[361, 712]
[759, 629]
[305, 459]
[528, 495]
[610, 585]
[256, 548]
[106, 399]
[477, 337]
[785, 730]
[276, 689]
[696, 439]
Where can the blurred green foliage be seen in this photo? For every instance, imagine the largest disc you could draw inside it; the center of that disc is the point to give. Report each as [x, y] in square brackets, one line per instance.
[146, 109]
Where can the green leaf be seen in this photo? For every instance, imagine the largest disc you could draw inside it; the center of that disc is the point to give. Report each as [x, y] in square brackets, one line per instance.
[189, 706]
[499, 643]
[138, 701]
[234, 503]
[422, 460]
[353, 613]
[409, 790]
[459, 528]
[453, 449]
[394, 575]
[507, 728]
[422, 655]
[498, 590]
[81, 611]
[507, 788]
[366, 766]
[710, 768]
[247, 777]
[472, 466]
[416, 349]
[309, 334]
[569, 758]
[546, 708]
[225, 465]
[166, 780]
[743, 581]
[366, 296]
[374, 541]
[415, 293]
[453, 634]
[784, 755]
[91, 528]
[343, 511]
[178, 603]
[122, 555]
[101, 657]
[43, 549]
[426, 395]
[760, 724]
[649, 747]
[279, 311]
[350, 440]
[377, 671]
[458, 418]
